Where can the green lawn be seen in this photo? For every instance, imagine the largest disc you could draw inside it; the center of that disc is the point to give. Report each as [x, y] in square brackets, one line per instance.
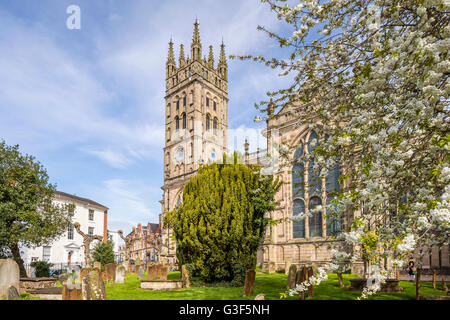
[270, 284]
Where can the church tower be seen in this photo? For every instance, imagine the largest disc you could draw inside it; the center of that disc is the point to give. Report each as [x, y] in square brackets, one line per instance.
[196, 121]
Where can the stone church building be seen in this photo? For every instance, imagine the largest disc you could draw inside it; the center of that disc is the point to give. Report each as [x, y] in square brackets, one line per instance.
[196, 133]
[196, 121]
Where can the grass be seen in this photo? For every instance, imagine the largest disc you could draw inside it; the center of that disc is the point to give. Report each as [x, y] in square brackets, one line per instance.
[269, 284]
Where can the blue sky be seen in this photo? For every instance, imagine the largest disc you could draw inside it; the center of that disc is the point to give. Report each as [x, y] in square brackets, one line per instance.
[89, 103]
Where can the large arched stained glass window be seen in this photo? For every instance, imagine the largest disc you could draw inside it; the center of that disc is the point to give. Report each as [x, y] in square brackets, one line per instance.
[298, 175]
[314, 182]
[332, 186]
[315, 221]
[298, 227]
[333, 223]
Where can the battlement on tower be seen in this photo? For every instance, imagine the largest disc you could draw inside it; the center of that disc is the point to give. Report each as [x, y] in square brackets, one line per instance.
[196, 67]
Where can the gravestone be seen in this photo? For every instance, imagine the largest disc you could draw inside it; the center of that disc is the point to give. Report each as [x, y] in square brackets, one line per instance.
[271, 267]
[260, 296]
[121, 274]
[72, 292]
[96, 270]
[110, 270]
[164, 272]
[125, 265]
[249, 283]
[98, 265]
[9, 276]
[103, 275]
[93, 287]
[302, 274]
[136, 268]
[311, 287]
[185, 276]
[292, 273]
[287, 266]
[141, 273]
[12, 293]
[83, 273]
[137, 262]
[151, 272]
[158, 270]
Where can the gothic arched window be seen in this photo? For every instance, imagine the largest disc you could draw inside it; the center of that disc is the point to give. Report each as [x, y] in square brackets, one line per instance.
[208, 119]
[298, 227]
[314, 182]
[215, 126]
[184, 120]
[315, 221]
[314, 193]
[177, 123]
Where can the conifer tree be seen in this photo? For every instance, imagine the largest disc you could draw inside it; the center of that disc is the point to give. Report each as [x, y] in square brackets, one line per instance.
[220, 224]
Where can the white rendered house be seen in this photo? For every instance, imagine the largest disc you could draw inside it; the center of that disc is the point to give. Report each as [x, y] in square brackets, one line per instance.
[91, 216]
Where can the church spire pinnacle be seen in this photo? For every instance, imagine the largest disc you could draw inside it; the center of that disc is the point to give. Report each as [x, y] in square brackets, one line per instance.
[211, 58]
[171, 55]
[182, 60]
[196, 46]
[223, 58]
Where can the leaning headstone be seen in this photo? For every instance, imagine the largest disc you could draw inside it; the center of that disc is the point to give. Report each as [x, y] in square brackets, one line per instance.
[292, 273]
[260, 296]
[13, 293]
[9, 276]
[249, 283]
[93, 287]
[185, 276]
[151, 272]
[120, 274]
[98, 265]
[141, 273]
[164, 272]
[287, 266]
[271, 267]
[110, 270]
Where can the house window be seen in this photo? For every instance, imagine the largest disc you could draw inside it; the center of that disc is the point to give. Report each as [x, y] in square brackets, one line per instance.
[184, 120]
[184, 101]
[207, 101]
[91, 214]
[178, 104]
[70, 232]
[215, 105]
[177, 123]
[46, 250]
[91, 231]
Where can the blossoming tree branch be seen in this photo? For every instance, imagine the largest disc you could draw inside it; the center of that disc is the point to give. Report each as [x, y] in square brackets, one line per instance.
[372, 79]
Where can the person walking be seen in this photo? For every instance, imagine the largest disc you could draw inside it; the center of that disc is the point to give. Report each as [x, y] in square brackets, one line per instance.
[411, 273]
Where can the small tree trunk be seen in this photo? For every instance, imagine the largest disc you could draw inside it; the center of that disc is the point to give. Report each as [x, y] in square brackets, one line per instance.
[16, 256]
[418, 284]
[444, 284]
[434, 279]
[398, 275]
[341, 281]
